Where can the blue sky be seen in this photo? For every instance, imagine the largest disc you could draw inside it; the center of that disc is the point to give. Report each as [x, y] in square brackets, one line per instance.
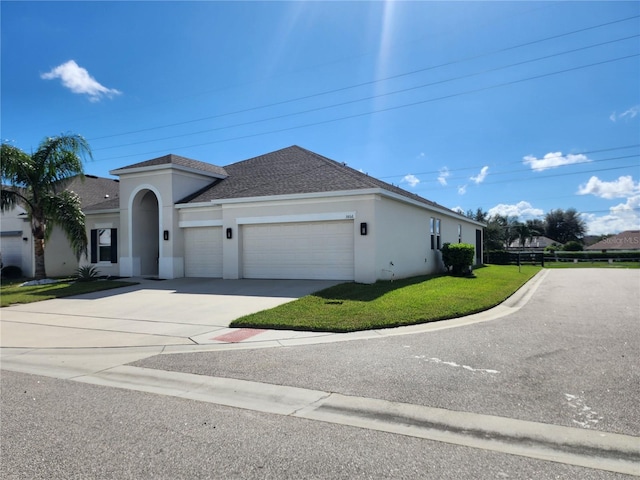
[517, 108]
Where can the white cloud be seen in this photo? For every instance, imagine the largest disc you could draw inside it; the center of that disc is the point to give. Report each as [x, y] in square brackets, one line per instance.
[412, 180]
[444, 173]
[458, 209]
[553, 160]
[421, 155]
[78, 80]
[477, 179]
[621, 217]
[462, 190]
[621, 188]
[626, 115]
[521, 210]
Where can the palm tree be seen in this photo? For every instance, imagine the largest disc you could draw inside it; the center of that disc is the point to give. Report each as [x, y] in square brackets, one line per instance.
[36, 183]
[523, 233]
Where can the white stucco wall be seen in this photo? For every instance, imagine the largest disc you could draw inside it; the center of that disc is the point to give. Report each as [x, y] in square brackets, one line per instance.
[58, 257]
[169, 185]
[98, 221]
[403, 238]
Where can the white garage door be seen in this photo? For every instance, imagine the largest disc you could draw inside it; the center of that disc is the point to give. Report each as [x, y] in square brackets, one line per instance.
[203, 252]
[310, 250]
[11, 248]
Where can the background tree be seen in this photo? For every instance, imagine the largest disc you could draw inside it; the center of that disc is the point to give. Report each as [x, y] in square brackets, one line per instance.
[479, 215]
[36, 183]
[536, 226]
[496, 233]
[565, 226]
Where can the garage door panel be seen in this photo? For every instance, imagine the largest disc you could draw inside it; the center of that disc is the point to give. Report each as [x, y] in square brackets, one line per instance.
[203, 252]
[314, 250]
[11, 248]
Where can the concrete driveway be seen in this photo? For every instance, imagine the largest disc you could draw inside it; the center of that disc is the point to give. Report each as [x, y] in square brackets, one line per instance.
[183, 311]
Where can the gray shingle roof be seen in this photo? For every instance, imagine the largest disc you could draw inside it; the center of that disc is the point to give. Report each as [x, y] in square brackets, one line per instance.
[172, 159]
[292, 170]
[92, 190]
[628, 240]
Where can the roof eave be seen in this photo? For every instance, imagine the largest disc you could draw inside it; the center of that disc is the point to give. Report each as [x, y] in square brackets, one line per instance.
[166, 166]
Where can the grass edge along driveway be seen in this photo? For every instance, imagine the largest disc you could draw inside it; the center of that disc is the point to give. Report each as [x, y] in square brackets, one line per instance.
[13, 293]
[352, 306]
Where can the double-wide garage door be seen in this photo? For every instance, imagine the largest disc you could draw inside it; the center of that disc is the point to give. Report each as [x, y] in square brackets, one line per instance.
[308, 250]
[305, 250]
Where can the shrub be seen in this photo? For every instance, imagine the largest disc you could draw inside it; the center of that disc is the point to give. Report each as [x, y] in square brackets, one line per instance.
[498, 257]
[573, 246]
[87, 273]
[458, 257]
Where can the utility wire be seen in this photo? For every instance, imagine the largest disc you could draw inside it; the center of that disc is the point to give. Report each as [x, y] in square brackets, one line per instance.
[474, 168]
[450, 178]
[371, 97]
[371, 82]
[388, 109]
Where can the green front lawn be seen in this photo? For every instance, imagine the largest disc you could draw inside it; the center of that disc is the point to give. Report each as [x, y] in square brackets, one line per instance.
[12, 293]
[351, 306]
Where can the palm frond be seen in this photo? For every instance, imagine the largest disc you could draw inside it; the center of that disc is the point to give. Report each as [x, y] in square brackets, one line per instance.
[61, 157]
[16, 166]
[10, 198]
[64, 210]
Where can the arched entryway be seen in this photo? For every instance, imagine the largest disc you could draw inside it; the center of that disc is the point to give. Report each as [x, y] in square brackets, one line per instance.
[145, 232]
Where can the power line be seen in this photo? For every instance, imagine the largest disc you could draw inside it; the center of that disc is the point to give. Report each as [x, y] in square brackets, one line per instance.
[371, 82]
[397, 107]
[532, 178]
[371, 97]
[586, 152]
[520, 171]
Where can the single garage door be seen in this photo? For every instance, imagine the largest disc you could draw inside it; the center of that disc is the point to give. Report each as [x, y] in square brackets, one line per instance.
[11, 248]
[203, 252]
[309, 250]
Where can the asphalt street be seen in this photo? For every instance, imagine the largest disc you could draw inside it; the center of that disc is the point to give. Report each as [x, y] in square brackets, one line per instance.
[567, 360]
[57, 429]
[567, 357]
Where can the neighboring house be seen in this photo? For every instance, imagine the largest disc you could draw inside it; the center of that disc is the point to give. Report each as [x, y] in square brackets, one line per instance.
[16, 240]
[533, 244]
[628, 241]
[289, 214]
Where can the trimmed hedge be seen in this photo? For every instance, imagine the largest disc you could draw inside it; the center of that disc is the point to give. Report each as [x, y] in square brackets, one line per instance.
[502, 257]
[592, 255]
[458, 257]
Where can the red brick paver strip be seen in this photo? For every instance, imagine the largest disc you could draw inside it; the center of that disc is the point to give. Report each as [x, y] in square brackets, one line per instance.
[239, 335]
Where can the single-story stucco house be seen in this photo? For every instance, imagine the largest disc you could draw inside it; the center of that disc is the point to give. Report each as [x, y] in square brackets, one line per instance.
[289, 214]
